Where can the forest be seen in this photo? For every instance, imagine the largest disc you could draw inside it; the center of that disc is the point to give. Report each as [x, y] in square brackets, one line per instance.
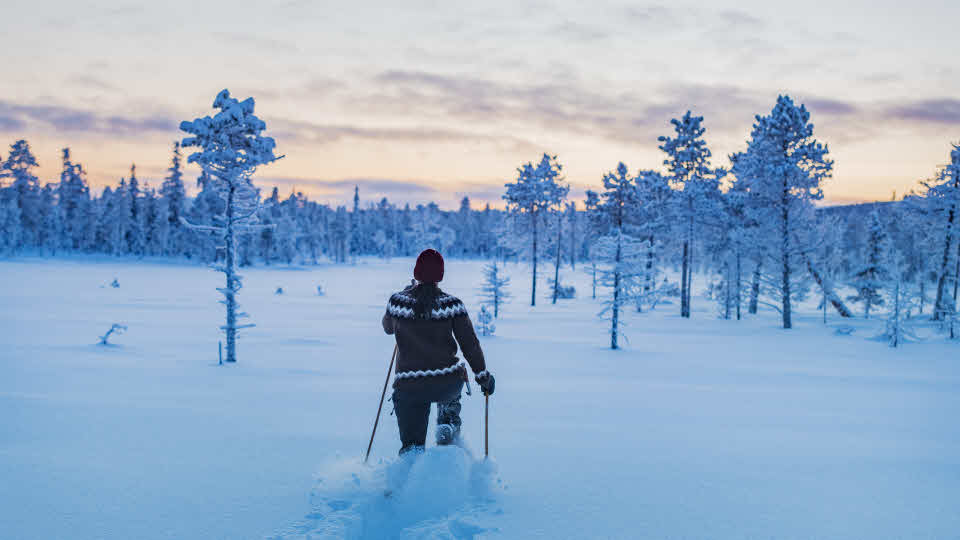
[754, 230]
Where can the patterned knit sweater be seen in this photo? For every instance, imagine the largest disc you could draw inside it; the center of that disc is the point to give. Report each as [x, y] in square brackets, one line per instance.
[428, 345]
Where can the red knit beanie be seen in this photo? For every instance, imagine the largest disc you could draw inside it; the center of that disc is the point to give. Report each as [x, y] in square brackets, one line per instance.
[429, 268]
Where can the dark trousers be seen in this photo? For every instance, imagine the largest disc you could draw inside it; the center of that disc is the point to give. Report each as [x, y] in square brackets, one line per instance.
[411, 404]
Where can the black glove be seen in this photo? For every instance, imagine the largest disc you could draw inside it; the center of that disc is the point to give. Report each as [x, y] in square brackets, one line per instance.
[486, 382]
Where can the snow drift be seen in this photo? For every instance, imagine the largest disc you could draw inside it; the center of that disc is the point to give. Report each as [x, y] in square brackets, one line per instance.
[444, 492]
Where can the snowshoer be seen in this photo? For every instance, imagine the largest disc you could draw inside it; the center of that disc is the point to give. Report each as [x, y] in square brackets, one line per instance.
[428, 324]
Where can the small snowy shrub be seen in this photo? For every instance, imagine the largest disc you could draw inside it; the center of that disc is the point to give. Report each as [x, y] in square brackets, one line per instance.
[844, 330]
[320, 290]
[116, 328]
[279, 291]
[115, 284]
[485, 322]
[563, 292]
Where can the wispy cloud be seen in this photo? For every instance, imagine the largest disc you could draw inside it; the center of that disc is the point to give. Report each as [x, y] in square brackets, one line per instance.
[737, 19]
[70, 119]
[10, 123]
[258, 42]
[835, 107]
[932, 111]
[567, 106]
[321, 134]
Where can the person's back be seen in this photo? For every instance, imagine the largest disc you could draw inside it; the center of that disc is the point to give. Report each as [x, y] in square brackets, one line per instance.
[428, 325]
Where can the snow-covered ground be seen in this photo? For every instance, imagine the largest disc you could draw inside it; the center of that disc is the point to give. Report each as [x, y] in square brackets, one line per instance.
[700, 428]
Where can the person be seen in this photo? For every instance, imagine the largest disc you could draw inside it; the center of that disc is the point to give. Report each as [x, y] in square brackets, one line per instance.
[428, 324]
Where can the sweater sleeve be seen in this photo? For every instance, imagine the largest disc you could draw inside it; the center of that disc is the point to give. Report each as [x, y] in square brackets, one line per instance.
[388, 323]
[469, 344]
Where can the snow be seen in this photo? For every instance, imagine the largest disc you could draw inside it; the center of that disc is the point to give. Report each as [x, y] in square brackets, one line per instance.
[699, 428]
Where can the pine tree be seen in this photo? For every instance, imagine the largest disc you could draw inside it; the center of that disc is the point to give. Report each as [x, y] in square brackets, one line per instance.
[558, 245]
[782, 170]
[688, 160]
[653, 228]
[206, 208]
[536, 191]
[899, 294]
[10, 229]
[572, 221]
[155, 222]
[18, 167]
[174, 196]
[494, 289]
[231, 147]
[135, 234]
[868, 279]
[617, 245]
[73, 198]
[943, 195]
[48, 236]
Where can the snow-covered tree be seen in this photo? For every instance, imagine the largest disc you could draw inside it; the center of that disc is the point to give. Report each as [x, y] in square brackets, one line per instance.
[203, 244]
[18, 168]
[901, 297]
[135, 234]
[943, 196]
[231, 146]
[654, 224]
[697, 184]
[869, 278]
[824, 262]
[494, 289]
[73, 197]
[536, 191]
[618, 248]
[155, 223]
[557, 225]
[174, 196]
[10, 229]
[572, 234]
[782, 171]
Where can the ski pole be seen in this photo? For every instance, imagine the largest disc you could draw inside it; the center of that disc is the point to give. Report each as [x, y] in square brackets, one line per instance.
[486, 425]
[380, 407]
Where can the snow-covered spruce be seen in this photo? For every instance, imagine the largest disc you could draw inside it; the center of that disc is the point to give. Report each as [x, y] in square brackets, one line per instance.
[530, 199]
[697, 186]
[782, 170]
[230, 148]
[494, 291]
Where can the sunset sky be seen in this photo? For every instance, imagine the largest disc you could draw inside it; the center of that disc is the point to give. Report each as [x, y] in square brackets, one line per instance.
[427, 101]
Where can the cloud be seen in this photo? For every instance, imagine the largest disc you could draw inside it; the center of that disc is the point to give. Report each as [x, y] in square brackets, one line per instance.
[929, 111]
[735, 19]
[573, 30]
[320, 134]
[259, 42]
[830, 106]
[71, 119]
[10, 123]
[654, 17]
[90, 81]
[558, 106]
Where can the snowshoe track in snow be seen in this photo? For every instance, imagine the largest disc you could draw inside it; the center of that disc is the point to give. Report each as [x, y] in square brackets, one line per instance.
[444, 492]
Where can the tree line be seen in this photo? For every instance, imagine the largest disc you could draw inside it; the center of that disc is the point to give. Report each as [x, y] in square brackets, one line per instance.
[751, 232]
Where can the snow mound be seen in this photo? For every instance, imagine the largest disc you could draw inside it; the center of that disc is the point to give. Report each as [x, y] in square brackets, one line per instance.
[444, 492]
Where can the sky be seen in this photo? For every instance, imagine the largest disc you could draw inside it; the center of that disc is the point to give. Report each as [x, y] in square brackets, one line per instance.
[421, 101]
